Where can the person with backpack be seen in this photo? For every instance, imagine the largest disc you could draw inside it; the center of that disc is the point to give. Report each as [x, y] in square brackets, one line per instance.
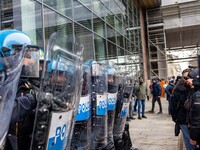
[179, 112]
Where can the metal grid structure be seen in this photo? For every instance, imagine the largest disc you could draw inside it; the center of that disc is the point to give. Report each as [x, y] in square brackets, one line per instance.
[173, 32]
[156, 43]
[6, 17]
[112, 27]
[181, 24]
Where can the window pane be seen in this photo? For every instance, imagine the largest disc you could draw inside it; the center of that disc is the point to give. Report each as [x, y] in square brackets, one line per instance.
[120, 41]
[111, 34]
[99, 8]
[56, 23]
[99, 26]
[82, 14]
[121, 59]
[118, 25]
[110, 19]
[26, 16]
[100, 48]
[62, 6]
[112, 51]
[85, 2]
[85, 38]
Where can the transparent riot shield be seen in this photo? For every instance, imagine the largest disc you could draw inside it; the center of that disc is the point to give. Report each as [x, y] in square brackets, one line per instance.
[10, 69]
[113, 83]
[123, 98]
[99, 106]
[57, 98]
[82, 130]
[31, 62]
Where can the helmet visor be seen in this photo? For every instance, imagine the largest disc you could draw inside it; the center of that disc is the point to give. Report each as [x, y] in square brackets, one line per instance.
[31, 63]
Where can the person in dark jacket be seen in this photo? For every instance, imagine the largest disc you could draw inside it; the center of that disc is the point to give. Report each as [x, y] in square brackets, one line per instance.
[177, 79]
[156, 92]
[194, 109]
[179, 111]
[22, 121]
[21, 125]
[168, 91]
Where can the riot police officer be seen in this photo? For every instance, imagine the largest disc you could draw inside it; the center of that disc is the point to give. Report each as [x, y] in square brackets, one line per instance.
[12, 50]
[98, 105]
[82, 130]
[120, 130]
[58, 97]
[22, 119]
[112, 100]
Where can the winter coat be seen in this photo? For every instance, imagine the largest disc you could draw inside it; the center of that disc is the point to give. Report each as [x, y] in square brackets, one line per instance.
[141, 91]
[168, 90]
[156, 89]
[195, 116]
[177, 108]
[24, 116]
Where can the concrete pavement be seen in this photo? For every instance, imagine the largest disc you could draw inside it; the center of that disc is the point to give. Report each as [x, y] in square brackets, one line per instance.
[156, 132]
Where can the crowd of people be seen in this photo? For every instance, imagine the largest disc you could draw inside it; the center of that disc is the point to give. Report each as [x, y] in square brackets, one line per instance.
[183, 96]
[184, 106]
[140, 95]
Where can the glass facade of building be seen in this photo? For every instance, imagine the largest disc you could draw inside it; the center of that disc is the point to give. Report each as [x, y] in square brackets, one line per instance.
[108, 29]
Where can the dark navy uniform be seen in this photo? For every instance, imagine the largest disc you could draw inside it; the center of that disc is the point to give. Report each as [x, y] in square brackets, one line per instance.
[21, 126]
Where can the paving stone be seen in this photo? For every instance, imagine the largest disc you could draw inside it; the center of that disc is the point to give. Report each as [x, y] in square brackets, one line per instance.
[154, 133]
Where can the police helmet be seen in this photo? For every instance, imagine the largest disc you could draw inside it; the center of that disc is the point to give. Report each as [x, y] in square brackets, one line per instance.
[96, 67]
[12, 41]
[111, 73]
[113, 80]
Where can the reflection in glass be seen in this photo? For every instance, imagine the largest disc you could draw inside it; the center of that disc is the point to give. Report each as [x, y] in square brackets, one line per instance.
[99, 26]
[112, 51]
[82, 14]
[62, 6]
[120, 41]
[99, 8]
[125, 43]
[56, 23]
[85, 2]
[132, 48]
[121, 5]
[111, 20]
[120, 51]
[111, 34]
[100, 48]
[84, 38]
[118, 26]
[29, 19]
[121, 59]
[6, 17]
[129, 64]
